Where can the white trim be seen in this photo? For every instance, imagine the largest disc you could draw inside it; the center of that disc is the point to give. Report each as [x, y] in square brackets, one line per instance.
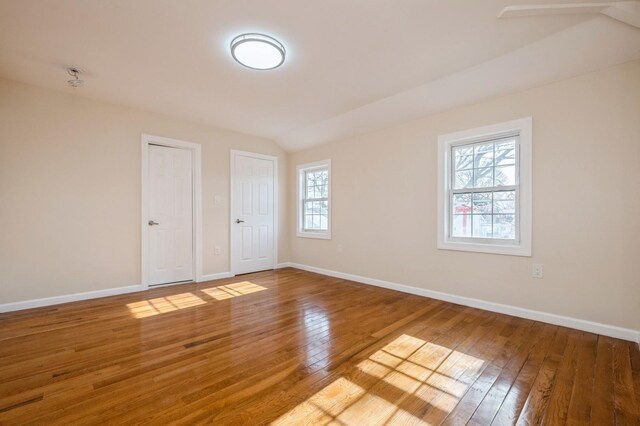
[76, 297]
[276, 198]
[254, 155]
[579, 324]
[56, 300]
[523, 127]
[152, 286]
[217, 276]
[592, 327]
[197, 201]
[316, 235]
[323, 235]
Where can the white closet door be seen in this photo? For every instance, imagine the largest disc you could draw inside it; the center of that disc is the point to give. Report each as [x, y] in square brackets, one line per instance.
[170, 215]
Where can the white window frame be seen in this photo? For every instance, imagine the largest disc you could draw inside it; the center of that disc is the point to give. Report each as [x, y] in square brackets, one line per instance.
[301, 171]
[522, 245]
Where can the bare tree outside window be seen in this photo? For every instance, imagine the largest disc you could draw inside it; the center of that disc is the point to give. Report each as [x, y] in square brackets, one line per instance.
[484, 189]
[315, 203]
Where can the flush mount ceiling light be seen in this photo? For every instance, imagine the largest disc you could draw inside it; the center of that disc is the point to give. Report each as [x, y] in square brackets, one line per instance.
[257, 51]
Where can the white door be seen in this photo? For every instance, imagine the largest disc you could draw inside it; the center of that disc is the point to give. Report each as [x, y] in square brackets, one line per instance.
[170, 215]
[252, 215]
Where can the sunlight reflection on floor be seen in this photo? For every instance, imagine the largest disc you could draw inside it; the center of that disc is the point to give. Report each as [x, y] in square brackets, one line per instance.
[408, 381]
[233, 290]
[174, 302]
[161, 305]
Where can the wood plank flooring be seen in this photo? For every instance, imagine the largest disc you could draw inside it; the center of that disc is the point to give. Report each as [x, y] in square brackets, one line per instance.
[290, 347]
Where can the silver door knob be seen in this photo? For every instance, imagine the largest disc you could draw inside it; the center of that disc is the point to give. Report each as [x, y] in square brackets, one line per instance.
[151, 223]
[239, 221]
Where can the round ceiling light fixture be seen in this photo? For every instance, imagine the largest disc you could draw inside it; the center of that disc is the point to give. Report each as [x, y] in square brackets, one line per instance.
[257, 51]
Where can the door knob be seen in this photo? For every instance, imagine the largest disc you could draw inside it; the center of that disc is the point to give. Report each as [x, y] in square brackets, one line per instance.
[151, 223]
[239, 221]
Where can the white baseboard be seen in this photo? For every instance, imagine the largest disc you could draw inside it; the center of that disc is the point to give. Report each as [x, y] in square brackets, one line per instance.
[592, 327]
[217, 276]
[56, 300]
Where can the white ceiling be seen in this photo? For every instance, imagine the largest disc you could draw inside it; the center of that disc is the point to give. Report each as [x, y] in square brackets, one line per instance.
[352, 66]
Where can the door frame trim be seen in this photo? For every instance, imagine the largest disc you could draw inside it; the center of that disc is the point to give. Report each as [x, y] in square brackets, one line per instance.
[276, 219]
[196, 149]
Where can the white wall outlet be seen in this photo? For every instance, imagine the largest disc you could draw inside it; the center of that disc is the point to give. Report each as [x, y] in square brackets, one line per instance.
[339, 248]
[217, 200]
[537, 271]
[217, 251]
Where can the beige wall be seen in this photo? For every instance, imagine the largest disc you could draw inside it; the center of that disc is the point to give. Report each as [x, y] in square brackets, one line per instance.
[70, 198]
[586, 203]
[70, 191]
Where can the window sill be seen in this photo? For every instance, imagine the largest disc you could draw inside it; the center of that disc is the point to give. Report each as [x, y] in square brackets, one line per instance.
[316, 235]
[505, 249]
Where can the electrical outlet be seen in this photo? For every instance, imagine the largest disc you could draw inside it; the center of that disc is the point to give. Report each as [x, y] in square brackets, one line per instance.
[217, 251]
[217, 200]
[339, 248]
[537, 271]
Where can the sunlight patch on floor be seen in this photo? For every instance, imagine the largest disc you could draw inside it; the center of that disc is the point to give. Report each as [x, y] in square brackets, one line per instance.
[174, 302]
[408, 381]
[161, 305]
[324, 406]
[232, 290]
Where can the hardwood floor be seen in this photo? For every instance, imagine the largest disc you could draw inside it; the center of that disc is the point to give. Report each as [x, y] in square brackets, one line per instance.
[290, 347]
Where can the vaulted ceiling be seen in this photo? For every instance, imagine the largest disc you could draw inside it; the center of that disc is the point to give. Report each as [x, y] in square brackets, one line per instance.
[352, 66]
